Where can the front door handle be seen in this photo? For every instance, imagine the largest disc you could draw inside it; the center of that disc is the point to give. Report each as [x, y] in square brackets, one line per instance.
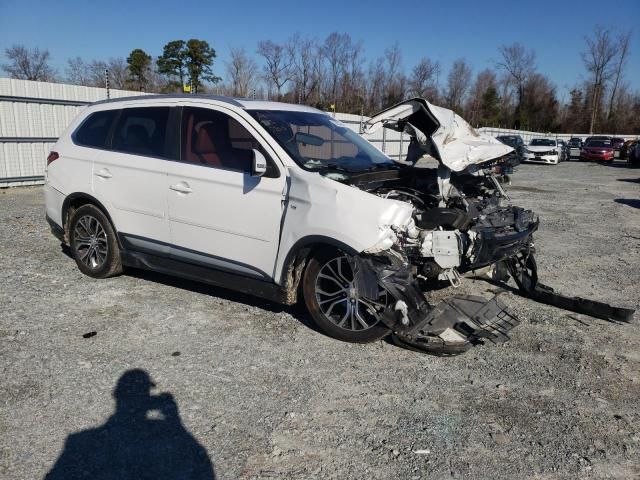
[104, 173]
[181, 187]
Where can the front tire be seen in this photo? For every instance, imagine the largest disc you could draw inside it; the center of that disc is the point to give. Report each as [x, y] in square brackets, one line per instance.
[334, 304]
[94, 244]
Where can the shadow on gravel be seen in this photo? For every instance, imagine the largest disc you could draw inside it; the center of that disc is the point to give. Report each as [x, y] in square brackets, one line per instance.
[629, 180]
[296, 311]
[131, 445]
[628, 201]
[616, 164]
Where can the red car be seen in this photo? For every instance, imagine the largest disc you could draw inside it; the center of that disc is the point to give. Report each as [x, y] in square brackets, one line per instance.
[597, 150]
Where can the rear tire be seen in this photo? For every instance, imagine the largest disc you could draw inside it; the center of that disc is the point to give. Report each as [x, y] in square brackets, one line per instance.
[94, 244]
[335, 306]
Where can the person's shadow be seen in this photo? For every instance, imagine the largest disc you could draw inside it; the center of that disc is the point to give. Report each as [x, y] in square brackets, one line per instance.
[131, 445]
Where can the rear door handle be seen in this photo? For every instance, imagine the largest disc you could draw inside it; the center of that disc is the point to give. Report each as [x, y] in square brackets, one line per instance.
[104, 173]
[181, 187]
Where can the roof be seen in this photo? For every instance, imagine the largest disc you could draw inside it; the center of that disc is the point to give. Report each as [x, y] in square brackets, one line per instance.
[245, 103]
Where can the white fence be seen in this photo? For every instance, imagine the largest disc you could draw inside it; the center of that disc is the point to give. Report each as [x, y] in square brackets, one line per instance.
[34, 114]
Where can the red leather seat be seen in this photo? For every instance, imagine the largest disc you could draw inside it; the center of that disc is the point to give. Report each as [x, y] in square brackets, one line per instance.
[204, 149]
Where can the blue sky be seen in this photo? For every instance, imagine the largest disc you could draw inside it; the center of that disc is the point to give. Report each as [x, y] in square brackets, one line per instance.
[440, 30]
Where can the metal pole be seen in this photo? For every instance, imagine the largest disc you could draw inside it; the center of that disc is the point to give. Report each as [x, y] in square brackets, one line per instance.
[384, 140]
[106, 82]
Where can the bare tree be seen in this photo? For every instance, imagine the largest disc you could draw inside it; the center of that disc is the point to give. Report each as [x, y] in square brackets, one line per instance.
[540, 103]
[377, 79]
[78, 72]
[242, 71]
[302, 52]
[395, 80]
[479, 98]
[28, 64]
[118, 75]
[277, 64]
[352, 82]
[458, 83]
[623, 52]
[335, 50]
[519, 65]
[424, 79]
[599, 60]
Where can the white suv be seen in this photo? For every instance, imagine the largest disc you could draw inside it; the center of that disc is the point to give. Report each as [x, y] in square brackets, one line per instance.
[275, 199]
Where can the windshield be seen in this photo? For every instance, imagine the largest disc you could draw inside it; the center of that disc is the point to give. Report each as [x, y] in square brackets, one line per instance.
[316, 141]
[542, 142]
[598, 143]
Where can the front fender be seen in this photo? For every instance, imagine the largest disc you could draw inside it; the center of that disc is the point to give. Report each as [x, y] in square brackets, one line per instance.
[318, 207]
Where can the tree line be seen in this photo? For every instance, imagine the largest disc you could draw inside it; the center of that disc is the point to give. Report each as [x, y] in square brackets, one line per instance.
[335, 73]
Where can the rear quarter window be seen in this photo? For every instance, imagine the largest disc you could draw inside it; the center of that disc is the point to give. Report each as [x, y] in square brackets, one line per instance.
[94, 131]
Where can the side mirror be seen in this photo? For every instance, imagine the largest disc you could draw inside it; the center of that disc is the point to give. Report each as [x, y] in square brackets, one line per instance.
[259, 164]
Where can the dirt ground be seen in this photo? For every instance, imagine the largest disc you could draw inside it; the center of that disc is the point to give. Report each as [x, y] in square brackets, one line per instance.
[267, 396]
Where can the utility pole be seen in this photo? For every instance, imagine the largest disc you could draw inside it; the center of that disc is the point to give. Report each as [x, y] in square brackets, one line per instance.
[106, 82]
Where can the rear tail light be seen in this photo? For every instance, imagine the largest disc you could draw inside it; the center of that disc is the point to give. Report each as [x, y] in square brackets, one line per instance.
[52, 157]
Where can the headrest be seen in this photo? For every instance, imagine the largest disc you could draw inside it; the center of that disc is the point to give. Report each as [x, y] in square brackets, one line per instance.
[211, 137]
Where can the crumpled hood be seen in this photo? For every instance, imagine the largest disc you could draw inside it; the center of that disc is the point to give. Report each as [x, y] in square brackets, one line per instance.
[457, 144]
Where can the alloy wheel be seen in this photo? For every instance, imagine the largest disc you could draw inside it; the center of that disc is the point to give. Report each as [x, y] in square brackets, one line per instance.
[90, 242]
[340, 301]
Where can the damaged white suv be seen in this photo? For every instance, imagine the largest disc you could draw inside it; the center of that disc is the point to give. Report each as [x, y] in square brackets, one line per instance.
[275, 200]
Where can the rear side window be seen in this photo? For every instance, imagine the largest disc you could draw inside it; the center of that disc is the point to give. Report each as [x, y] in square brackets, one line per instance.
[95, 129]
[142, 131]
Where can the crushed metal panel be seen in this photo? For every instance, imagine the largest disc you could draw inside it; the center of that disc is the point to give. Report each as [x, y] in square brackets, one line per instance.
[458, 144]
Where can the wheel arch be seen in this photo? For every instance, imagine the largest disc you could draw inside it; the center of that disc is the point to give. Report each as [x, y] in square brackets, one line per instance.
[305, 247]
[75, 201]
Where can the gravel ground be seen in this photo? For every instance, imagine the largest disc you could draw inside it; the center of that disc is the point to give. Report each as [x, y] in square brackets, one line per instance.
[268, 396]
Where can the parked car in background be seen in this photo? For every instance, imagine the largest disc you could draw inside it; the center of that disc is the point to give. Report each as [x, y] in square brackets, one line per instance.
[543, 150]
[575, 145]
[515, 142]
[597, 137]
[626, 148]
[634, 154]
[597, 150]
[617, 143]
[563, 150]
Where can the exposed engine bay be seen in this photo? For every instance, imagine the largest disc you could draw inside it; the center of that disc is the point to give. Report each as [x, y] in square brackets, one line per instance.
[461, 221]
[458, 226]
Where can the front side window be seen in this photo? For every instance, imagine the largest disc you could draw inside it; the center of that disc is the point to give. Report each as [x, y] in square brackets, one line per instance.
[95, 129]
[214, 139]
[316, 141]
[142, 131]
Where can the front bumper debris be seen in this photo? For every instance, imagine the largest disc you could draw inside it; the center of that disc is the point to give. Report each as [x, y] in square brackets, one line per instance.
[453, 326]
[448, 328]
[524, 270]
